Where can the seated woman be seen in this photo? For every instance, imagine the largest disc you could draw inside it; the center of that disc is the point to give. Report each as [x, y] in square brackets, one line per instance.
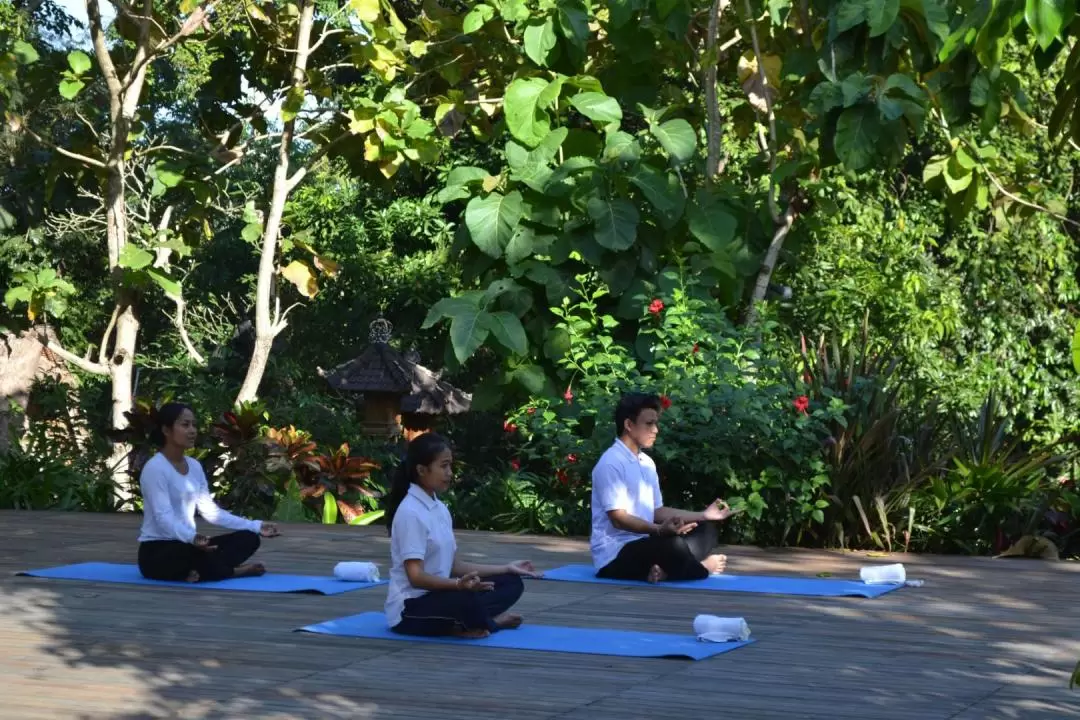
[431, 591]
[173, 488]
[634, 536]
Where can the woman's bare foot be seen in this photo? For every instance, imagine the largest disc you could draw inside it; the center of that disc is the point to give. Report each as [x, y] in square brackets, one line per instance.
[508, 621]
[656, 574]
[249, 570]
[715, 564]
[192, 577]
[472, 634]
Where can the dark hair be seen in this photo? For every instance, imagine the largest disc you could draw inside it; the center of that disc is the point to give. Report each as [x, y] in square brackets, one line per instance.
[630, 407]
[421, 451]
[165, 417]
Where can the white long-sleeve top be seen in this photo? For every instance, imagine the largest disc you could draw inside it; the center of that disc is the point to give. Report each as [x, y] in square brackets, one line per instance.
[171, 499]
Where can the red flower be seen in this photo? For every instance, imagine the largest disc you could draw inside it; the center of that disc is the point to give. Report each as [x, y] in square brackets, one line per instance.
[515, 463]
[568, 395]
[802, 404]
[562, 477]
[696, 348]
[656, 306]
[571, 458]
[665, 402]
[531, 411]
[509, 427]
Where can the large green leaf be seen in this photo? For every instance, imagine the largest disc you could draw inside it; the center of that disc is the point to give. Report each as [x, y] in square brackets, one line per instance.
[616, 222]
[520, 246]
[598, 107]
[492, 221]
[540, 41]
[368, 517]
[467, 334]
[17, 294]
[508, 330]
[857, 132]
[1075, 348]
[78, 61]
[25, 52]
[574, 22]
[525, 114]
[663, 191]
[451, 307]
[622, 147]
[1046, 18]
[881, 14]
[134, 257]
[330, 509]
[70, 87]
[677, 137]
[850, 13]
[711, 223]
[477, 18]
[171, 287]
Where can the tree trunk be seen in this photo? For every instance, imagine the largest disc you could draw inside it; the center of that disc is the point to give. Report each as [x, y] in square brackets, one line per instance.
[20, 356]
[761, 285]
[268, 326]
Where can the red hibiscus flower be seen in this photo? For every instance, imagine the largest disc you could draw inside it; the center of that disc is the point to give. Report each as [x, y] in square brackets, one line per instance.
[562, 477]
[656, 306]
[802, 404]
[509, 427]
[531, 411]
[696, 348]
[665, 402]
[571, 458]
[568, 395]
[516, 464]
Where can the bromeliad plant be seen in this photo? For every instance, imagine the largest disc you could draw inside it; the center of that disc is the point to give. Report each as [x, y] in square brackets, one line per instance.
[350, 478]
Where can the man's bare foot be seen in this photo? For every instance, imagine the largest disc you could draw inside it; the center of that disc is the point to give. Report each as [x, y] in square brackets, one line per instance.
[656, 574]
[472, 634]
[249, 570]
[715, 564]
[192, 577]
[508, 621]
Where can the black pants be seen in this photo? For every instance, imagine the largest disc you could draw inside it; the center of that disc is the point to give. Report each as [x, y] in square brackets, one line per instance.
[679, 556]
[444, 612]
[174, 559]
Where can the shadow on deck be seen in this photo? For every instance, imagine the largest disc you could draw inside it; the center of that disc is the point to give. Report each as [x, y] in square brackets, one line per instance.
[983, 639]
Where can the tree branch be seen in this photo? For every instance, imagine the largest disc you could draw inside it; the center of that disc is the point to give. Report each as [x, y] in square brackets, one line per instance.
[761, 285]
[101, 50]
[194, 21]
[774, 209]
[714, 131]
[82, 363]
[178, 321]
[85, 160]
[103, 351]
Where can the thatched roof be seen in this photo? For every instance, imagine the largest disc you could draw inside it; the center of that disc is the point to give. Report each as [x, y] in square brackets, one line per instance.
[382, 369]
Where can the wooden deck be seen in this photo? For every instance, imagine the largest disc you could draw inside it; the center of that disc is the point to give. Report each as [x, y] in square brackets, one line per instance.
[983, 639]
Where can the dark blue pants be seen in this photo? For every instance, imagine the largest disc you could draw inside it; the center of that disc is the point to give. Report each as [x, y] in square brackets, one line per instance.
[174, 559]
[444, 612]
[679, 556]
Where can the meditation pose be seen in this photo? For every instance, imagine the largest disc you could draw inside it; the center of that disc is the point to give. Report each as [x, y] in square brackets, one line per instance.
[634, 537]
[173, 488]
[431, 591]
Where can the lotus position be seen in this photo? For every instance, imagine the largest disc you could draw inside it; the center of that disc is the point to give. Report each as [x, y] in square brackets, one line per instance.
[634, 537]
[432, 591]
[173, 488]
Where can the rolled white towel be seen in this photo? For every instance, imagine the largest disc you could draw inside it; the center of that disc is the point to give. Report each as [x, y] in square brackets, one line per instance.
[883, 574]
[357, 572]
[711, 628]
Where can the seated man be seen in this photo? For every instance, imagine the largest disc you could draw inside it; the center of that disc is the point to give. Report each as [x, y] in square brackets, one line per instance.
[634, 537]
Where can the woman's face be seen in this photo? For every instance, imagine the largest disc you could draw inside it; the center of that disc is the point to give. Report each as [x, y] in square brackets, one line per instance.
[437, 476]
[183, 432]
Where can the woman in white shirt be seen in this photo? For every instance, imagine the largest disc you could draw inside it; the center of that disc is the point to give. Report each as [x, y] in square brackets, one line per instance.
[173, 488]
[432, 592]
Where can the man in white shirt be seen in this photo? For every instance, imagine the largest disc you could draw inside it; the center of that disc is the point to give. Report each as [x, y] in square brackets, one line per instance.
[634, 536]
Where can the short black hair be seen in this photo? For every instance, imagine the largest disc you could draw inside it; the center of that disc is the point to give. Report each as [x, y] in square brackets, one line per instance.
[630, 407]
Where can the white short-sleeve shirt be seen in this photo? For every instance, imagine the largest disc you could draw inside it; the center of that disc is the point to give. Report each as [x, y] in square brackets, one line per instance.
[621, 480]
[422, 530]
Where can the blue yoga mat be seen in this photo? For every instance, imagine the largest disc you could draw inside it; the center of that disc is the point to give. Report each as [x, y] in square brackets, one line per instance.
[270, 582]
[585, 641]
[816, 587]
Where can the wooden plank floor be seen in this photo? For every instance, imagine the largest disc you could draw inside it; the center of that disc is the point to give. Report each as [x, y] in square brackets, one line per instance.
[983, 639]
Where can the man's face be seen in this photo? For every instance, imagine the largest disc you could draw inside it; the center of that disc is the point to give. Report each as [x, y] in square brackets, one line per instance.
[644, 430]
